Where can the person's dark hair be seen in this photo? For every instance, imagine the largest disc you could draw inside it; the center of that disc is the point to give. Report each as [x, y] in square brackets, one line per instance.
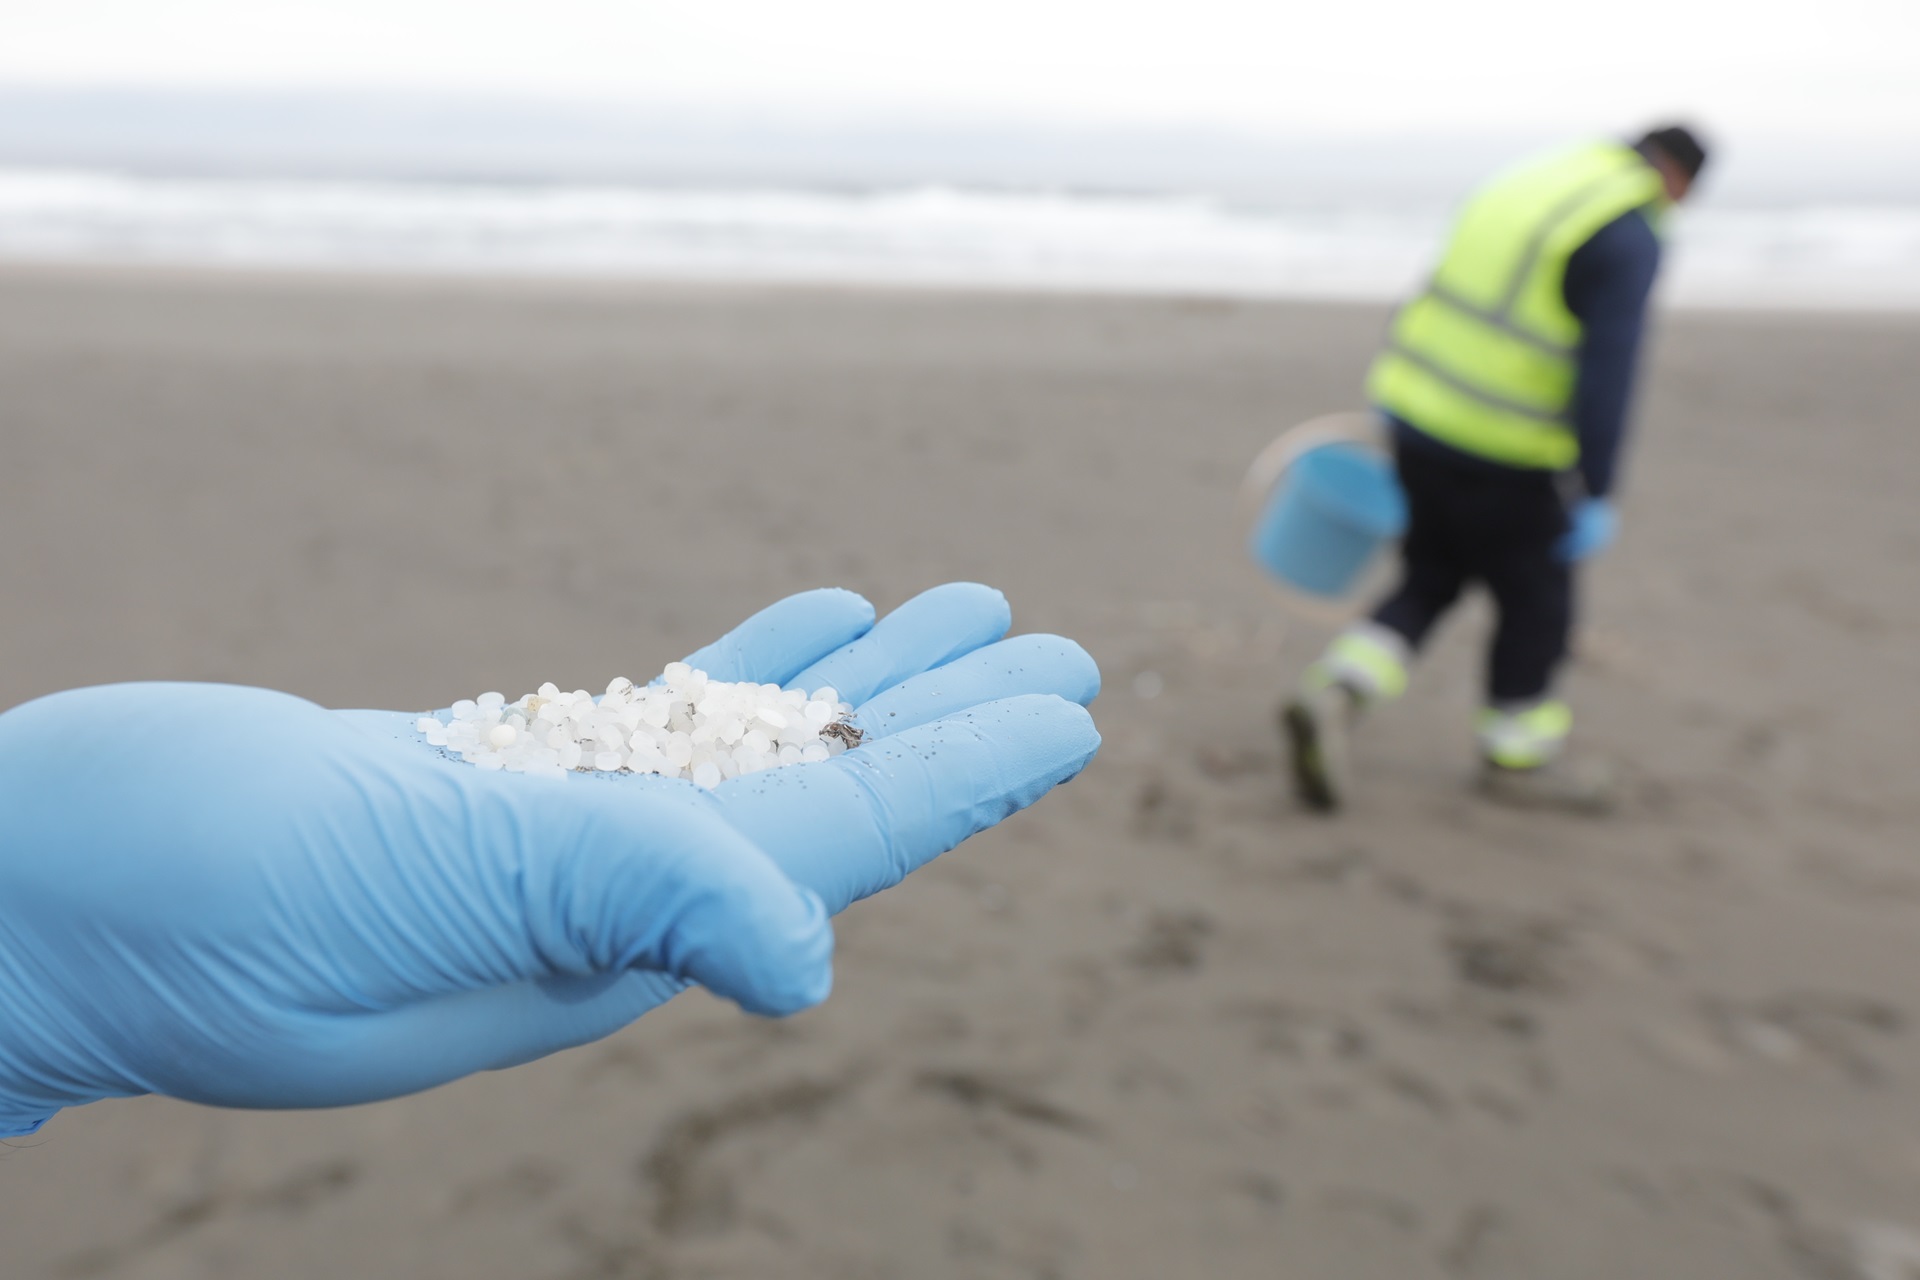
[1677, 143]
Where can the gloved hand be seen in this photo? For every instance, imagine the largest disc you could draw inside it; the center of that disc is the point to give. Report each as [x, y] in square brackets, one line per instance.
[237, 897]
[1591, 529]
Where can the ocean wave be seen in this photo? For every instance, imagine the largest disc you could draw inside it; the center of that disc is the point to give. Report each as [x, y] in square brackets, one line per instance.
[1820, 255]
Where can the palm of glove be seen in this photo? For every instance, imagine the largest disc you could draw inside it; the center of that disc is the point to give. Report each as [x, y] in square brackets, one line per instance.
[264, 903]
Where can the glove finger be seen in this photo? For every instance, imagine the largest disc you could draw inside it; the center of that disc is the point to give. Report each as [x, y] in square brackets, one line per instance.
[859, 823]
[778, 642]
[1004, 669]
[934, 627]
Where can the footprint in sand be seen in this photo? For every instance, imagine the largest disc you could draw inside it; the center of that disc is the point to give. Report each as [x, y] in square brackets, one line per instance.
[1832, 1029]
[1511, 955]
[1172, 942]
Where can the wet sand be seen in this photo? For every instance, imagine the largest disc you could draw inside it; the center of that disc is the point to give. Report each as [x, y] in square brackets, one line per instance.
[1162, 1025]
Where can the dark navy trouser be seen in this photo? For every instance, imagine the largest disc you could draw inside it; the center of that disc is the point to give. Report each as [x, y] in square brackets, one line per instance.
[1470, 522]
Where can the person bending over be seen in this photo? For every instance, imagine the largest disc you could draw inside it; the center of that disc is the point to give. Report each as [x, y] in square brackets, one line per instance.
[1505, 384]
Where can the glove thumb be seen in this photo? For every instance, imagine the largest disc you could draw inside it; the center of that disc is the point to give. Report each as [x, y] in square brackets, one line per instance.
[605, 878]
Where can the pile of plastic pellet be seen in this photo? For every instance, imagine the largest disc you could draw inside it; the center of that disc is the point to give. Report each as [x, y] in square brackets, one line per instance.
[683, 725]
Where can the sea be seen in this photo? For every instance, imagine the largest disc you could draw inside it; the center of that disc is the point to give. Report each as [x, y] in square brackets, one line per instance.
[975, 210]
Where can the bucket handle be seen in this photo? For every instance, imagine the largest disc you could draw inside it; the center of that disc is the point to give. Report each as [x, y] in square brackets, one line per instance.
[1350, 427]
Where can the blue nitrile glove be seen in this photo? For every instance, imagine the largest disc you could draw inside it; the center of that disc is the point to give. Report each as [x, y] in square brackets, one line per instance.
[237, 897]
[1590, 530]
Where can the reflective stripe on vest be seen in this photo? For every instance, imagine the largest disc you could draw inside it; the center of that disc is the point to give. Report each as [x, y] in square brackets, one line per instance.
[1485, 358]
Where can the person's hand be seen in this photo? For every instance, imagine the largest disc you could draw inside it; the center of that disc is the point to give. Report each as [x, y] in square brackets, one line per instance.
[1591, 527]
[236, 897]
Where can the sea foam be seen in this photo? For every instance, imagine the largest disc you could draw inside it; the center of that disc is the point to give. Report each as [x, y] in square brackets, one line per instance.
[1836, 255]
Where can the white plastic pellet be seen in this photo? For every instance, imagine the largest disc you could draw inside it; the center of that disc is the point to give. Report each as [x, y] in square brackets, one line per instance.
[683, 725]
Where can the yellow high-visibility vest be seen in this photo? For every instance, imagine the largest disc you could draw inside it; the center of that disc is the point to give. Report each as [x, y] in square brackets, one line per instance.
[1485, 358]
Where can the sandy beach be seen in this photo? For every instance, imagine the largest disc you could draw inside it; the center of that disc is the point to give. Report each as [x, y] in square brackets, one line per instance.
[1165, 1024]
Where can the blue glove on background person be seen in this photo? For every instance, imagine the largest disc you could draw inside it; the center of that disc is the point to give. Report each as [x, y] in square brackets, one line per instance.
[1592, 526]
[237, 897]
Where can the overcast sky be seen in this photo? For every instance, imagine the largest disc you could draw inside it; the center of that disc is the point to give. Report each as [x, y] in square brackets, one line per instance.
[1394, 66]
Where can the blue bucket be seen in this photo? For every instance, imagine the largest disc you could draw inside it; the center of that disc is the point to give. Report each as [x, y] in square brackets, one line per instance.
[1332, 511]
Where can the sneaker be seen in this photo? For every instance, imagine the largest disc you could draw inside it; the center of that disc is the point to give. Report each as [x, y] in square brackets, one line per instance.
[1570, 784]
[1315, 723]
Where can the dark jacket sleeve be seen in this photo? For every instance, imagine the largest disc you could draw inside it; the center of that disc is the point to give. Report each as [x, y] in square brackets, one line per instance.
[1607, 283]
